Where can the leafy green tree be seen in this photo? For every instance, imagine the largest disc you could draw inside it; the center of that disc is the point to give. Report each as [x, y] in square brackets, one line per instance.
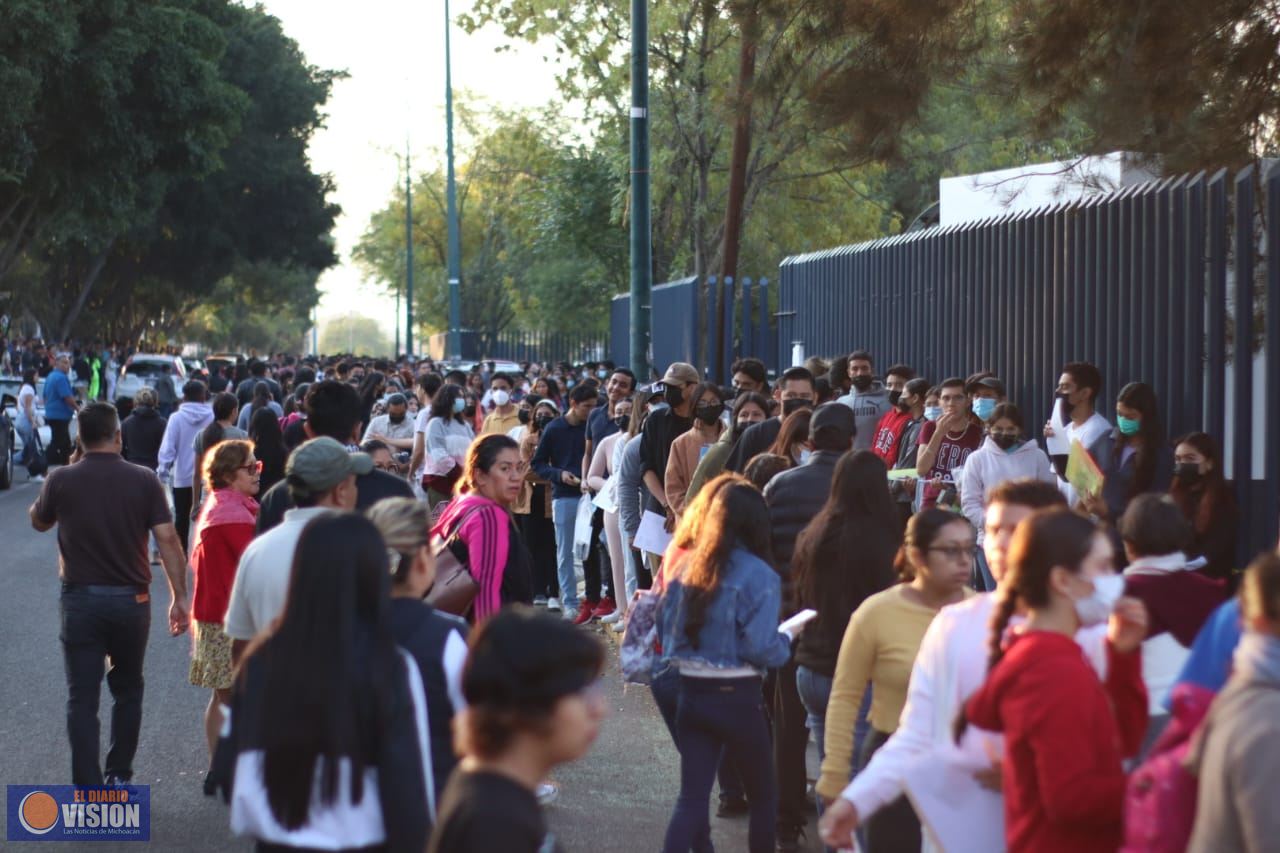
[354, 334]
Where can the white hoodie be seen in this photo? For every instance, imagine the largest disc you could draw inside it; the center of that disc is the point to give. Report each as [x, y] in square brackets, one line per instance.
[177, 451]
[989, 466]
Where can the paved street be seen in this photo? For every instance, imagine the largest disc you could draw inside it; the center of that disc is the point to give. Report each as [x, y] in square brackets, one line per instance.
[617, 799]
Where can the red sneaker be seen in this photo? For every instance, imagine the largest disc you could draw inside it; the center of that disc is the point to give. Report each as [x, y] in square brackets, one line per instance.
[606, 607]
[584, 613]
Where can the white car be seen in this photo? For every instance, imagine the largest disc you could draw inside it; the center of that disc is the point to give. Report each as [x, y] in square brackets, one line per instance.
[142, 370]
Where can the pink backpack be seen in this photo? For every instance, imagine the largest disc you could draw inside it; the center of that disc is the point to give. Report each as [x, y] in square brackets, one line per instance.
[1160, 803]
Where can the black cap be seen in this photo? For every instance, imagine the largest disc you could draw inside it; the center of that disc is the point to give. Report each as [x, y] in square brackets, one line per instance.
[521, 659]
[836, 418]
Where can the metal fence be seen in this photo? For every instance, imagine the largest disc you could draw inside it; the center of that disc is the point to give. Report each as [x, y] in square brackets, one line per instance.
[686, 325]
[1169, 282]
[518, 345]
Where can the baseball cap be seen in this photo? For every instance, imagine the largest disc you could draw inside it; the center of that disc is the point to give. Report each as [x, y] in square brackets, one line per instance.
[397, 399]
[681, 372]
[322, 463]
[990, 382]
[834, 417]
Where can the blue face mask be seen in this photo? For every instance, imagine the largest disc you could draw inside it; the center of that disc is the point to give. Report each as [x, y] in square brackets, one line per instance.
[603, 374]
[1128, 426]
[983, 407]
[458, 405]
[932, 413]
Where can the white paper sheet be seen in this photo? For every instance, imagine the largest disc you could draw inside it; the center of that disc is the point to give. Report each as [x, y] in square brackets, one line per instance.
[791, 627]
[652, 536]
[958, 814]
[1058, 444]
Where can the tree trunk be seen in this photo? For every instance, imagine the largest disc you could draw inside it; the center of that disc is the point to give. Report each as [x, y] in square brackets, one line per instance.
[95, 269]
[748, 19]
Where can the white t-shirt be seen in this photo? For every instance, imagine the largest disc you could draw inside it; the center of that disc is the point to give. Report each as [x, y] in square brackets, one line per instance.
[1088, 434]
[27, 393]
[420, 426]
[262, 580]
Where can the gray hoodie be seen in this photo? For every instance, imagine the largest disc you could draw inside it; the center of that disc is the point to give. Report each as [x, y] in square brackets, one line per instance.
[1236, 754]
[177, 453]
[867, 407]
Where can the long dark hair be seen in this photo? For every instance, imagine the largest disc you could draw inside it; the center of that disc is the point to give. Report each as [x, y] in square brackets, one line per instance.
[371, 387]
[795, 430]
[922, 529]
[261, 396]
[329, 667]
[224, 406]
[1205, 502]
[1141, 396]
[268, 444]
[737, 518]
[846, 553]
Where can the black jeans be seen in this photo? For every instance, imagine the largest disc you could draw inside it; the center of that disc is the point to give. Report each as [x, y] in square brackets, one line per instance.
[895, 827]
[715, 715]
[790, 740]
[596, 565]
[59, 441]
[182, 497]
[539, 534]
[97, 627]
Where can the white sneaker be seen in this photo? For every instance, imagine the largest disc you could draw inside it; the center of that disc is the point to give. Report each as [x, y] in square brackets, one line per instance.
[38, 478]
[548, 793]
[539, 601]
[553, 603]
[612, 617]
[619, 627]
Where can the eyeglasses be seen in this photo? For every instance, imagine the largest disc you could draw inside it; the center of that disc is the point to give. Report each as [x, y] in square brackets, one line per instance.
[955, 553]
[254, 467]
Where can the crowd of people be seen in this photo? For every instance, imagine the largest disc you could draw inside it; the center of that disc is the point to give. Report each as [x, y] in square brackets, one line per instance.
[393, 566]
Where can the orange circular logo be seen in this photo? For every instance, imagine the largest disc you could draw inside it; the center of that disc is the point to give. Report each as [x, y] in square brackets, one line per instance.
[38, 812]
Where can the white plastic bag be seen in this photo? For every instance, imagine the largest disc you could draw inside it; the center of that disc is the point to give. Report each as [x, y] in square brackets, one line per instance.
[582, 528]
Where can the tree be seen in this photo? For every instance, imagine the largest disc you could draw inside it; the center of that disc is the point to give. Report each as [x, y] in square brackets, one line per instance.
[354, 334]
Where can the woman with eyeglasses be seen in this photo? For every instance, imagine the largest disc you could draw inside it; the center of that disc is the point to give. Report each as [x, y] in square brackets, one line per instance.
[223, 530]
[880, 646]
[481, 520]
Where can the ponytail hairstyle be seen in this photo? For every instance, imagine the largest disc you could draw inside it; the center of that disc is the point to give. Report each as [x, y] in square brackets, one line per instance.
[405, 525]
[1043, 540]
[1141, 396]
[922, 529]
[736, 518]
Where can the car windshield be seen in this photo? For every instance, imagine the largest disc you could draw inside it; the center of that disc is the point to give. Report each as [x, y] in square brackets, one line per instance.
[146, 368]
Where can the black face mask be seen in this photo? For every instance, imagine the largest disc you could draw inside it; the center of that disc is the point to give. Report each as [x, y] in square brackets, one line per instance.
[708, 414]
[862, 382]
[523, 415]
[739, 429]
[894, 397]
[674, 396]
[540, 422]
[1188, 473]
[623, 421]
[396, 419]
[795, 404]
[1005, 440]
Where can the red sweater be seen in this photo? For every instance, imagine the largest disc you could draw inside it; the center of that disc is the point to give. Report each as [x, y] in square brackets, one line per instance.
[223, 530]
[1065, 736]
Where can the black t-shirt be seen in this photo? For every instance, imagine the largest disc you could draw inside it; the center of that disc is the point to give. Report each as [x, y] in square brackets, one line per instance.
[483, 812]
[660, 430]
[370, 489]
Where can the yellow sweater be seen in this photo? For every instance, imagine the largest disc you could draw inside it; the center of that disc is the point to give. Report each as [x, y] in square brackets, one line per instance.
[879, 646]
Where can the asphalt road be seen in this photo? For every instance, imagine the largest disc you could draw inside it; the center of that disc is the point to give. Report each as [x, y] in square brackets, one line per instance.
[618, 798]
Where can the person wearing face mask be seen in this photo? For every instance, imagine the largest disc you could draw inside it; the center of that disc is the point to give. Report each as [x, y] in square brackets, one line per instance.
[795, 391]
[394, 428]
[793, 442]
[1004, 455]
[506, 414]
[749, 409]
[933, 404]
[629, 491]
[690, 448]
[869, 399]
[532, 509]
[914, 403]
[660, 432]
[448, 436]
[1066, 732]
[985, 393]
[1077, 401]
[1140, 460]
[904, 409]
[1237, 758]
[946, 443]
[601, 481]
[1201, 493]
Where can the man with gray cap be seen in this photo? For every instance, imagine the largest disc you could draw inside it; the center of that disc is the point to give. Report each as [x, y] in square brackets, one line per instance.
[320, 476]
[662, 428]
[395, 428]
[794, 498]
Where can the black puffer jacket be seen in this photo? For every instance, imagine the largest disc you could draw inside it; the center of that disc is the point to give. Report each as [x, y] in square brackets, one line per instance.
[794, 498]
[142, 433]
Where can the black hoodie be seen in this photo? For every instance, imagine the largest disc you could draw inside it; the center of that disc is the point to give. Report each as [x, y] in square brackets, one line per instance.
[142, 433]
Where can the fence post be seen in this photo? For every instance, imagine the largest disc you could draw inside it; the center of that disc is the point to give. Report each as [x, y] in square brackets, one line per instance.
[1216, 420]
[726, 328]
[764, 331]
[1271, 462]
[710, 340]
[1242, 469]
[746, 346]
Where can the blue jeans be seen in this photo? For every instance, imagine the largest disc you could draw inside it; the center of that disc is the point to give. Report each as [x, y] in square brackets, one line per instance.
[28, 433]
[715, 714]
[815, 691]
[564, 512]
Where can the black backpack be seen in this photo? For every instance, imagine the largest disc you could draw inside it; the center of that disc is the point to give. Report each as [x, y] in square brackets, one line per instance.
[38, 461]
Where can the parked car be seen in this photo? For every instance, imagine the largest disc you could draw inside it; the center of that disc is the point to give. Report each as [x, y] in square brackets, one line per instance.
[225, 360]
[143, 370]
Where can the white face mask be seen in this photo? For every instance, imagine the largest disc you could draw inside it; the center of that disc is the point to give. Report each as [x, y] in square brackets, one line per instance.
[501, 398]
[1096, 608]
[804, 456]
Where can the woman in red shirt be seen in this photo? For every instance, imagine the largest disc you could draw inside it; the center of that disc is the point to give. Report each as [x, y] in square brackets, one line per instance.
[223, 531]
[1065, 732]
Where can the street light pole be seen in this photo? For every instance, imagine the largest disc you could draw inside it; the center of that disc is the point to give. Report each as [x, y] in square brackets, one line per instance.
[451, 204]
[408, 259]
[641, 250]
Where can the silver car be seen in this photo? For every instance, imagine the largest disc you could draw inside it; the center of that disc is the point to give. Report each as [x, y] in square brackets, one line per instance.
[146, 371]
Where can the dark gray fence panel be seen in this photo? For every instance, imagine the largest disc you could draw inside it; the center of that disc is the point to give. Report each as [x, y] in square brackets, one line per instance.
[676, 327]
[1242, 434]
[1271, 461]
[620, 330]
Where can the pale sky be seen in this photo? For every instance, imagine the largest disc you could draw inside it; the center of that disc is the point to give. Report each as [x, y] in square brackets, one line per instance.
[393, 51]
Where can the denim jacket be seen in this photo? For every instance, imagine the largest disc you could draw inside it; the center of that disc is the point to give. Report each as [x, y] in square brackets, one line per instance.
[741, 626]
